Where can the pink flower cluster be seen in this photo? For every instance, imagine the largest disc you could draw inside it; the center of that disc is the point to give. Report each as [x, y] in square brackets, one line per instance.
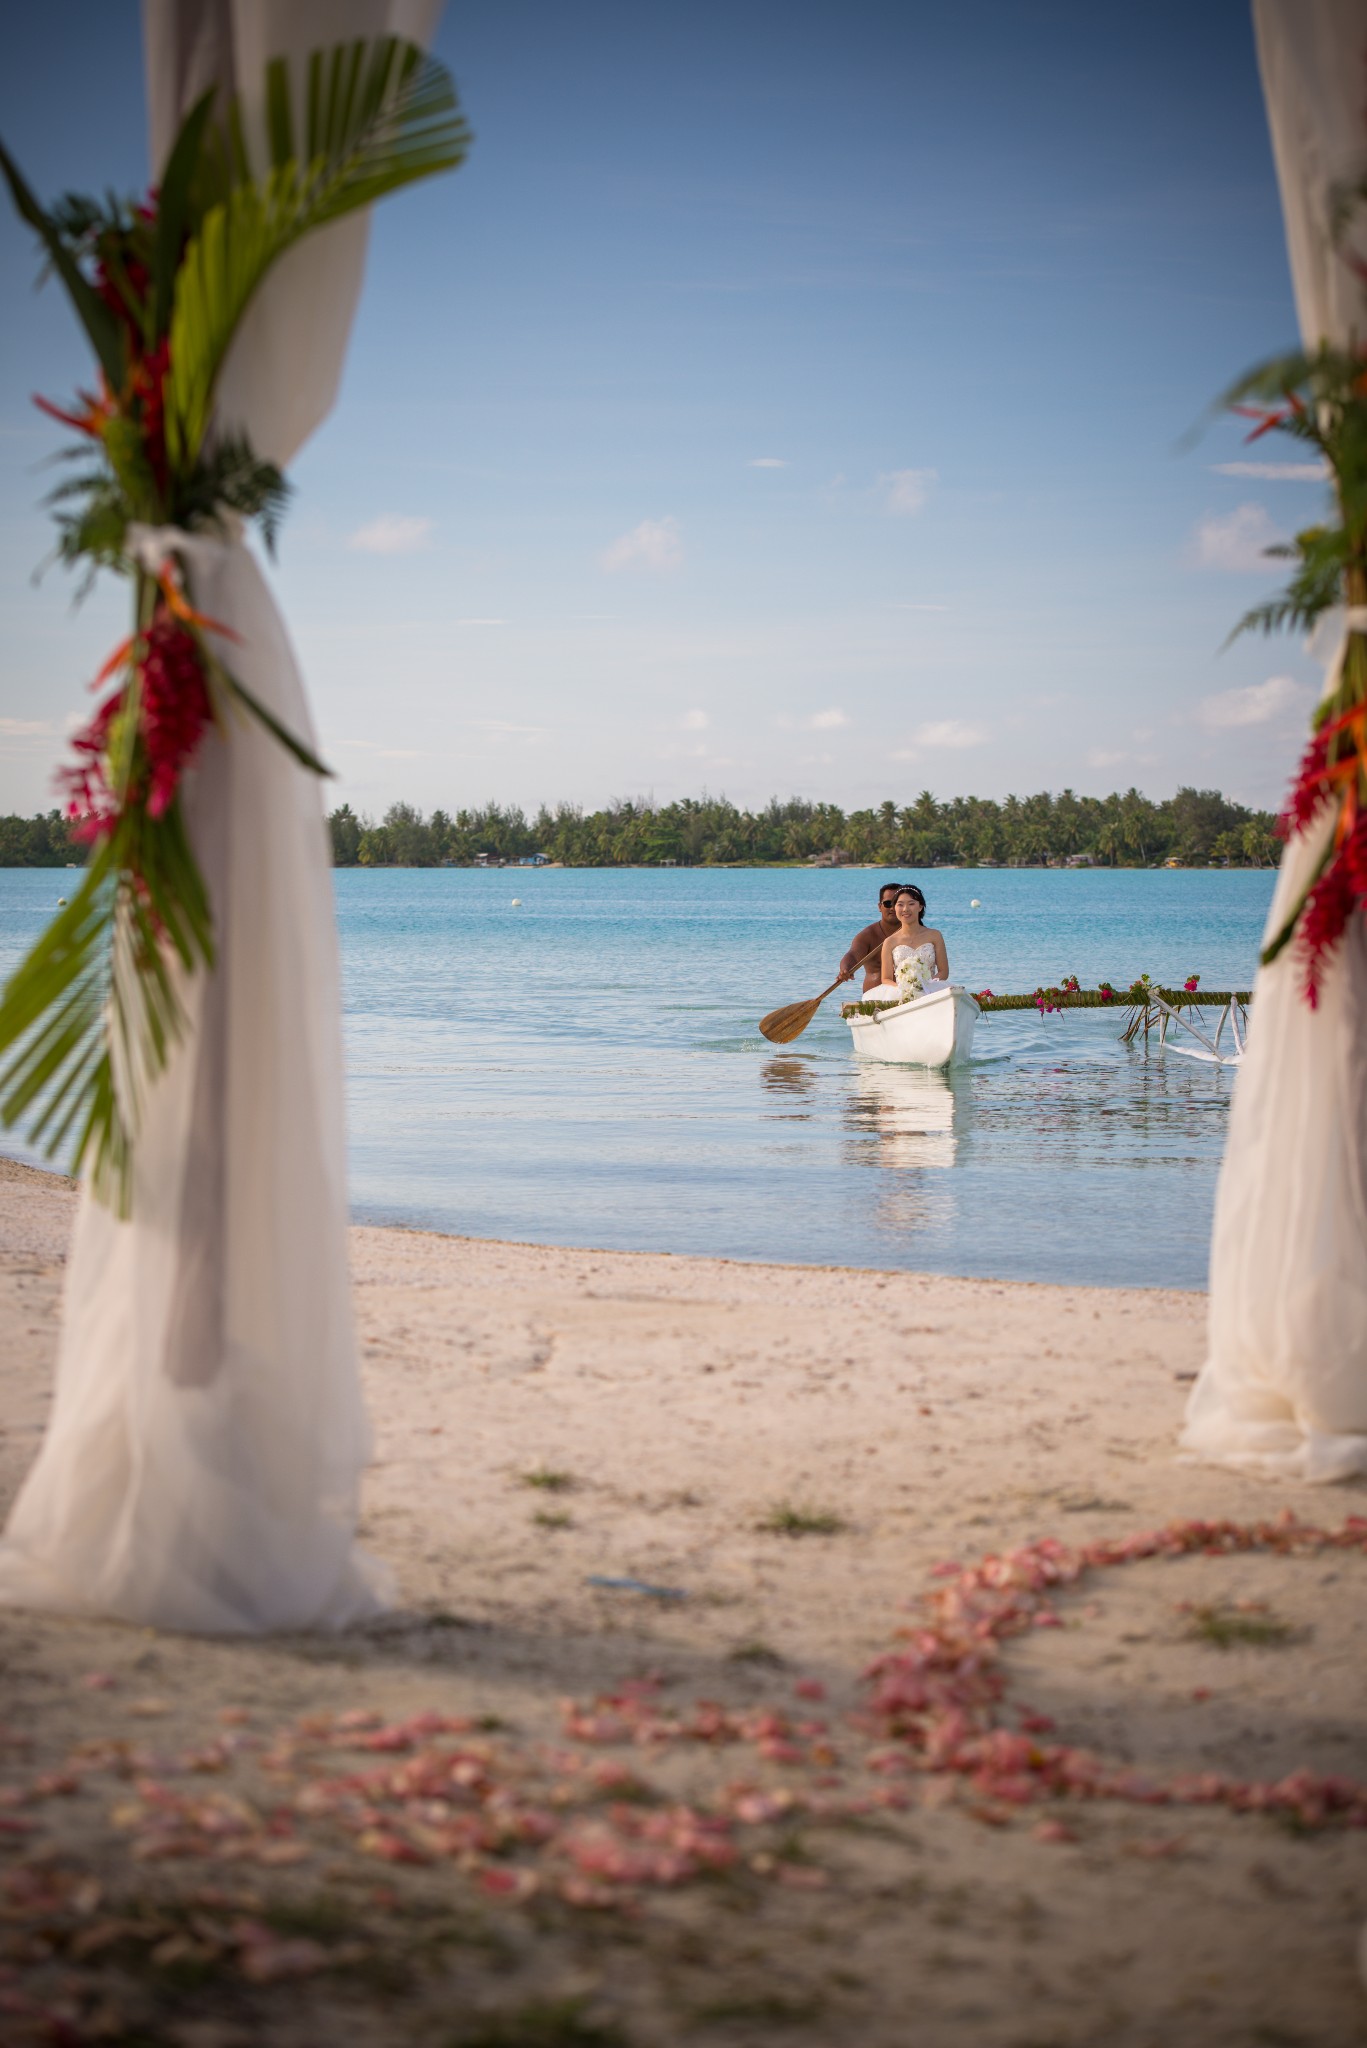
[1047, 999]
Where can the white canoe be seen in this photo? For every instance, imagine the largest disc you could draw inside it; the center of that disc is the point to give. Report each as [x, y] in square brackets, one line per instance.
[934, 1030]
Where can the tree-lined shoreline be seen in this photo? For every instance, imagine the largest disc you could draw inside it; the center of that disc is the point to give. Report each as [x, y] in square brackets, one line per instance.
[1198, 827]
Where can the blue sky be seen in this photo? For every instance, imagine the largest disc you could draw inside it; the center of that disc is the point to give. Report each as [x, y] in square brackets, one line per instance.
[783, 398]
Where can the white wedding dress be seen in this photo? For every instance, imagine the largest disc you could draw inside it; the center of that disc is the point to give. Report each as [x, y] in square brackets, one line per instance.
[888, 991]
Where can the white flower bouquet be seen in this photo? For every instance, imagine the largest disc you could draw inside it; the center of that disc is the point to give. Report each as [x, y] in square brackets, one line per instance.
[911, 978]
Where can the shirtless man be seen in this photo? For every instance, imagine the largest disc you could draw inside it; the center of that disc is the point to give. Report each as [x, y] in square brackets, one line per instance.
[870, 940]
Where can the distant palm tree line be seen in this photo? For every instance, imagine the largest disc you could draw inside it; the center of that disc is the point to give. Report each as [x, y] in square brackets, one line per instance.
[1196, 826]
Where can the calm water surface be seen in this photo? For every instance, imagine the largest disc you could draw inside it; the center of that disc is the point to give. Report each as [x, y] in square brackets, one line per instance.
[585, 1068]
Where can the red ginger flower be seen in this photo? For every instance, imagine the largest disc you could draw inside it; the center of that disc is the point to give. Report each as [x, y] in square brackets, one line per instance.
[175, 707]
[1309, 792]
[91, 803]
[1340, 890]
[1354, 855]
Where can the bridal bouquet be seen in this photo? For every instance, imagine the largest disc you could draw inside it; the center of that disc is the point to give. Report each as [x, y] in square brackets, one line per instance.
[912, 978]
[160, 287]
[1320, 400]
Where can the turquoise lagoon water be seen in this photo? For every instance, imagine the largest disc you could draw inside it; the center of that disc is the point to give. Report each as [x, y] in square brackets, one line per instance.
[585, 1069]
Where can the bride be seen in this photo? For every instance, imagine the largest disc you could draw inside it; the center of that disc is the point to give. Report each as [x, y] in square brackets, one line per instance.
[913, 954]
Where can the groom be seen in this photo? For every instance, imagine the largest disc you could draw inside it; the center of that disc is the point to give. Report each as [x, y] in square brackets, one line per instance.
[870, 940]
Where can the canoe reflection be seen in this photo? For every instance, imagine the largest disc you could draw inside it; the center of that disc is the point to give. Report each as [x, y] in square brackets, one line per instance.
[908, 1110]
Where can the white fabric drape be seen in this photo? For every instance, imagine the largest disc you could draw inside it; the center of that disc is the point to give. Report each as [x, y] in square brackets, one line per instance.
[201, 1463]
[1284, 1387]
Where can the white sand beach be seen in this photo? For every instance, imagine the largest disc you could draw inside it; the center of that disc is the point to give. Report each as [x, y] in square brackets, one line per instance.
[671, 1407]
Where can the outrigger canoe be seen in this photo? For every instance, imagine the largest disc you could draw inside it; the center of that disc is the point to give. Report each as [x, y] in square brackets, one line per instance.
[933, 1030]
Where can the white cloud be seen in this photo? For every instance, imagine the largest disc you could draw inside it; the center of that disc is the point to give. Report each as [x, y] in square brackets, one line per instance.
[908, 489]
[1238, 542]
[1276, 472]
[898, 607]
[1255, 705]
[481, 622]
[654, 544]
[766, 462]
[951, 732]
[694, 721]
[826, 721]
[1105, 757]
[391, 535]
[27, 728]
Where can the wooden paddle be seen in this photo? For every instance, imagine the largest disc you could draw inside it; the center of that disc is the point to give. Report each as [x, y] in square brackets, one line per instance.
[781, 1027]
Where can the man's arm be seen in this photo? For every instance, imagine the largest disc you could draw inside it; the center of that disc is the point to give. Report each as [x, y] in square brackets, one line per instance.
[859, 946]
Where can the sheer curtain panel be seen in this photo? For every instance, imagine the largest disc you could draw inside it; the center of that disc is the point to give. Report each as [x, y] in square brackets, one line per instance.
[201, 1463]
[1284, 1387]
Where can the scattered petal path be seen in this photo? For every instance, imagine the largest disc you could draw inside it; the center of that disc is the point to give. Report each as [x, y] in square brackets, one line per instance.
[562, 1820]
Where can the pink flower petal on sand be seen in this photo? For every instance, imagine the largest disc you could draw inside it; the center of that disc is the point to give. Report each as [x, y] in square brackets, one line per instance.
[582, 1891]
[1053, 1831]
[268, 1961]
[508, 1881]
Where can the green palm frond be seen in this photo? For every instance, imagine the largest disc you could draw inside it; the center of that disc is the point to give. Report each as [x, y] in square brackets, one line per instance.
[380, 116]
[91, 1017]
[377, 116]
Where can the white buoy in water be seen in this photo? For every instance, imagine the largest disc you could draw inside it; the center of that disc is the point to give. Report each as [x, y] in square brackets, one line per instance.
[517, 903]
[976, 904]
[61, 902]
